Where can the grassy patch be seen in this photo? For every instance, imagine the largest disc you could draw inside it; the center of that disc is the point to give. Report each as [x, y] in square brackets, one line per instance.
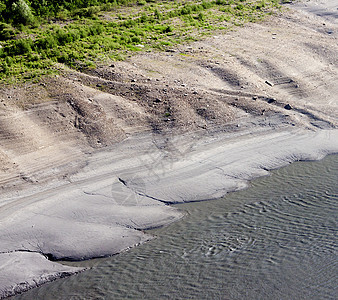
[82, 37]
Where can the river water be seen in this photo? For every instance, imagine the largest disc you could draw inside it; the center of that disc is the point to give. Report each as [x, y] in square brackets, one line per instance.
[274, 240]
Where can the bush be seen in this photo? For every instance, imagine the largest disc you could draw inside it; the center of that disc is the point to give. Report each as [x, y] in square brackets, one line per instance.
[48, 42]
[64, 37]
[157, 14]
[63, 58]
[2, 8]
[5, 68]
[200, 17]
[260, 5]
[6, 31]
[167, 29]
[22, 46]
[22, 13]
[206, 5]
[96, 29]
[143, 18]
[90, 39]
[88, 12]
[135, 39]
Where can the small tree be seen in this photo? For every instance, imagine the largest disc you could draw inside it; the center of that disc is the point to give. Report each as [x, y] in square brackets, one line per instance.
[22, 13]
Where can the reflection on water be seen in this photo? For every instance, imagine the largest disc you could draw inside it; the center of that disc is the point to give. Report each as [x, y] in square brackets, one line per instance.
[275, 240]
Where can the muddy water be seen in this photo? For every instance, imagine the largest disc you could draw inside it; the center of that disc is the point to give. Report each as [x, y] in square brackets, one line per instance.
[275, 240]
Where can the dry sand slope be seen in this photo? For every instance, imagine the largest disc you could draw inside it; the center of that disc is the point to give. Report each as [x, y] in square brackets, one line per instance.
[88, 161]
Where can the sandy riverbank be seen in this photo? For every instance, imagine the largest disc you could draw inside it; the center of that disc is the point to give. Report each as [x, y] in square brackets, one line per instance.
[213, 115]
[119, 193]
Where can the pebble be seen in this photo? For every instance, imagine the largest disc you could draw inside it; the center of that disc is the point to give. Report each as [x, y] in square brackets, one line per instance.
[288, 106]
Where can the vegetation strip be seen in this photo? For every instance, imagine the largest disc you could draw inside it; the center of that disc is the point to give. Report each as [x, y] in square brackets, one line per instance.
[41, 37]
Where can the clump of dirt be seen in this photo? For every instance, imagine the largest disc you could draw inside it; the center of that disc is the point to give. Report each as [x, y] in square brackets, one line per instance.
[91, 120]
[5, 162]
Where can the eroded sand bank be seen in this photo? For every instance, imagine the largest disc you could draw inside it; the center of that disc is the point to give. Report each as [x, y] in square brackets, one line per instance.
[106, 198]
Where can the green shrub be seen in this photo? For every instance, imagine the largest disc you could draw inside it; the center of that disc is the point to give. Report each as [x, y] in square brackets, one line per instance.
[186, 10]
[111, 45]
[84, 39]
[9, 60]
[22, 46]
[6, 31]
[88, 12]
[206, 5]
[96, 29]
[33, 57]
[22, 13]
[141, 2]
[5, 68]
[158, 15]
[2, 7]
[167, 29]
[201, 17]
[129, 23]
[143, 19]
[260, 5]
[65, 37]
[48, 42]
[135, 39]
[63, 58]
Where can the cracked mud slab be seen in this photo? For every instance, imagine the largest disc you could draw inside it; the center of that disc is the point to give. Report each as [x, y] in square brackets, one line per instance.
[21, 271]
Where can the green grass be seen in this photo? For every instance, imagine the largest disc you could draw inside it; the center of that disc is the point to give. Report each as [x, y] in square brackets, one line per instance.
[81, 40]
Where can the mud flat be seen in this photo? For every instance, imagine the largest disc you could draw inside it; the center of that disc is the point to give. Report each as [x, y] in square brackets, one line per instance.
[105, 208]
[99, 158]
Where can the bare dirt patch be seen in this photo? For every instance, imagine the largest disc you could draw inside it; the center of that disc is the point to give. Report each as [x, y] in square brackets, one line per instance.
[276, 73]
